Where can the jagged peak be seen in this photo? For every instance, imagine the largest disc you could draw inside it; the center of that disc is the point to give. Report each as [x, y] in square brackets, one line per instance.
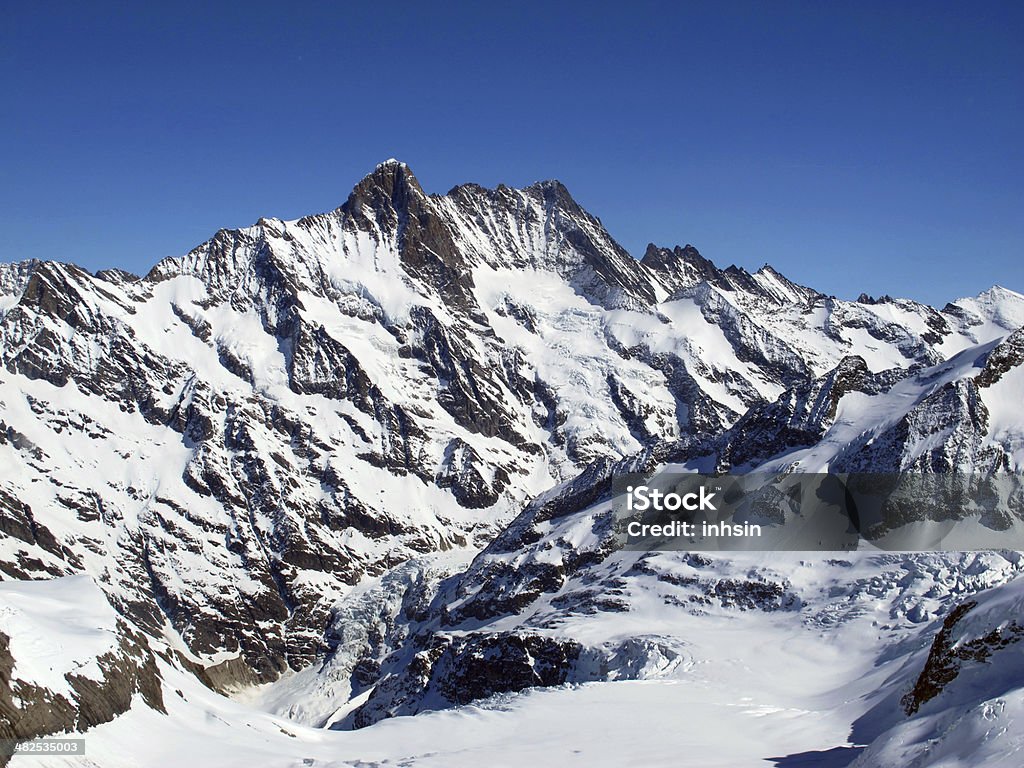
[555, 193]
[660, 258]
[551, 195]
[733, 269]
[390, 183]
[684, 267]
[549, 191]
[471, 187]
[865, 298]
[680, 268]
[549, 184]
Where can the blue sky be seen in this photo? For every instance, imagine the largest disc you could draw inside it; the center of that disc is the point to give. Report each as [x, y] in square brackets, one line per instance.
[855, 146]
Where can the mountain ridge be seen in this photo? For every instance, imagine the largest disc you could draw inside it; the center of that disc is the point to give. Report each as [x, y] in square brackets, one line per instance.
[231, 446]
[394, 174]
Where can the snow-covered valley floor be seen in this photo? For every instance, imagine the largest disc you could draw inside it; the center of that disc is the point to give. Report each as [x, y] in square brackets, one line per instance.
[752, 688]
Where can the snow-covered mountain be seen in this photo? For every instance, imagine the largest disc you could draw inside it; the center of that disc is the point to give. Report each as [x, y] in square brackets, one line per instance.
[271, 465]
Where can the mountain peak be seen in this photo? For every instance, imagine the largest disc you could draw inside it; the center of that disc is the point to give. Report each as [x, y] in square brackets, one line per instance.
[390, 183]
[554, 192]
[682, 266]
[550, 184]
[999, 292]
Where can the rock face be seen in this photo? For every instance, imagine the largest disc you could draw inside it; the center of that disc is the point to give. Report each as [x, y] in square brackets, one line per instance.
[958, 693]
[946, 658]
[230, 444]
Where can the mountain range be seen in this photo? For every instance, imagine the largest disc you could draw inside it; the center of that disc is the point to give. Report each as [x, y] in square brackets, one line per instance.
[358, 465]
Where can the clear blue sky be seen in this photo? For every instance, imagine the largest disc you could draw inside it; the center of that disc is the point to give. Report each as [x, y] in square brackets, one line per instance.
[856, 146]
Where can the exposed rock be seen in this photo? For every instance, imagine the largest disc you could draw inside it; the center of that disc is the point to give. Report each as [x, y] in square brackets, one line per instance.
[945, 659]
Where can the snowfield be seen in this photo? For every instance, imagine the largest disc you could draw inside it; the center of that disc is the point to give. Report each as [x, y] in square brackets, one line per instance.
[748, 688]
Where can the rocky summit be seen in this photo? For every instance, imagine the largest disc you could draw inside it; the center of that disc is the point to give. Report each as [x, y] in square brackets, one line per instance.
[360, 462]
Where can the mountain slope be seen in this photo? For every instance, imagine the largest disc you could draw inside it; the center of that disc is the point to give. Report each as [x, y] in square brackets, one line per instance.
[239, 445]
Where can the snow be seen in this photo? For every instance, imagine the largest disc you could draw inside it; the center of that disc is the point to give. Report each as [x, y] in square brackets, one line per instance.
[998, 305]
[974, 719]
[1003, 401]
[707, 349]
[752, 688]
[56, 628]
[860, 417]
[569, 351]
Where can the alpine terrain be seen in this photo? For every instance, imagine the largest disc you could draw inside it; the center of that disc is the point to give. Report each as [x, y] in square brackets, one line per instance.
[268, 501]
